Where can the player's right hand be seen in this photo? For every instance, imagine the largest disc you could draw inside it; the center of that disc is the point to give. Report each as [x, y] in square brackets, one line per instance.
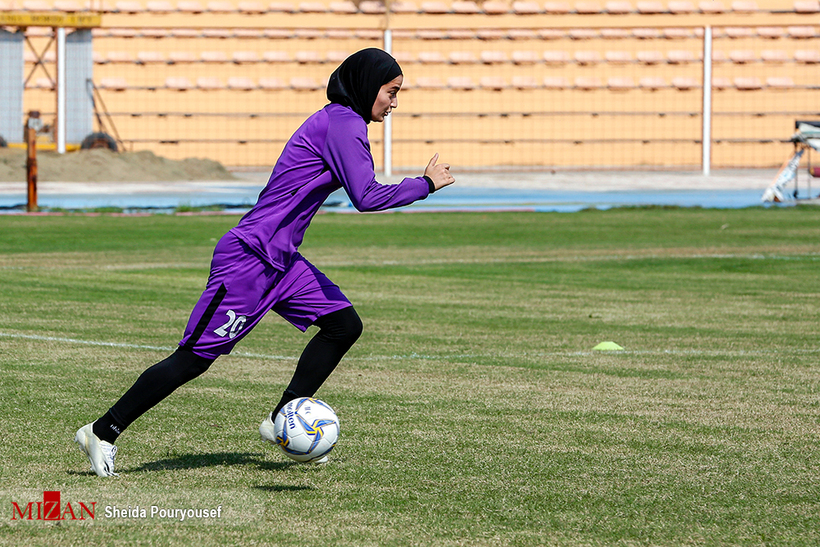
[439, 173]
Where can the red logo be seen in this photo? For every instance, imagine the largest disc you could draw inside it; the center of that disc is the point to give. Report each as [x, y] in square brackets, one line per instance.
[51, 509]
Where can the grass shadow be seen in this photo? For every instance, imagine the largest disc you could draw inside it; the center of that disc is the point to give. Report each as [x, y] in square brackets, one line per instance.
[213, 459]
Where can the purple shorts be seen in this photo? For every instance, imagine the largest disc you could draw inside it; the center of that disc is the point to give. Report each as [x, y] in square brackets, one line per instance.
[242, 288]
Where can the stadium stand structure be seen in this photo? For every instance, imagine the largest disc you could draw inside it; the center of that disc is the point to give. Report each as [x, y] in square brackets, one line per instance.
[495, 84]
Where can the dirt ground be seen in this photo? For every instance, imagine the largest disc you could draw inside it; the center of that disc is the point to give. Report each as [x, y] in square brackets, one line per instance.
[103, 165]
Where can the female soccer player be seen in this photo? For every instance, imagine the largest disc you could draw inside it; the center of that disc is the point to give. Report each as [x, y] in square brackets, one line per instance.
[256, 266]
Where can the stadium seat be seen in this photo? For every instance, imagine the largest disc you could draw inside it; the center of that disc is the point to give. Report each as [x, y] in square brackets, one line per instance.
[680, 7]
[178, 83]
[615, 33]
[620, 83]
[403, 6]
[583, 33]
[190, 6]
[430, 57]
[526, 7]
[588, 7]
[209, 83]
[271, 84]
[245, 57]
[711, 6]
[241, 83]
[220, 6]
[493, 57]
[721, 83]
[522, 34]
[748, 83]
[802, 32]
[276, 56]
[434, 7]
[774, 56]
[551, 33]
[618, 57]
[463, 58]
[647, 33]
[739, 32]
[807, 56]
[220, 33]
[779, 82]
[490, 34]
[429, 82]
[680, 57]
[744, 6]
[618, 7]
[465, 7]
[742, 56]
[556, 8]
[495, 7]
[97, 57]
[113, 84]
[588, 57]
[120, 57]
[301, 83]
[305, 57]
[525, 82]
[685, 83]
[150, 57]
[281, 6]
[464, 83]
[556, 57]
[159, 6]
[371, 7]
[493, 83]
[336, 57]
[69, 6]
[650, 7]
[312, 7]
[527, 57]
[556, 82]
[249, 7]
[587, 83]
[122, 6]
[674, 33]
[345, 7]
[213, 57]
[806, 6]
[652, 83]
[432, 34]
[771, 33]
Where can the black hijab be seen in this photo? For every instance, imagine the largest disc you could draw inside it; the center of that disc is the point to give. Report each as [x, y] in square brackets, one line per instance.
[357, 81]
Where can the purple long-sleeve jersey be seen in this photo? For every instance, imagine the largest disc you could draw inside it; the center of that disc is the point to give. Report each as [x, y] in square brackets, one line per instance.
[329, 151]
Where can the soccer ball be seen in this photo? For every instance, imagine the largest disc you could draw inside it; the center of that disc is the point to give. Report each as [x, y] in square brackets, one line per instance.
[306, 429]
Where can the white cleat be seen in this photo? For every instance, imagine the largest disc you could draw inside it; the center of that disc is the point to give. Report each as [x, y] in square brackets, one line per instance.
[266, 430]
[100, 453]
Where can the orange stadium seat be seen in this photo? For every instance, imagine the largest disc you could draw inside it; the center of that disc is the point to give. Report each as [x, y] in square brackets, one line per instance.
[556, 7]
[748, 83]
[526, 7]
[302, 83]
[807, 56]
[372, 7]
[276, 56]
[221, 33]
[493, 83]
[526, 57]
[739, 32]
[742, 56]
[280, 6]
[432, 34]
[120, 57]
[806, 6]
[213, 57]
[588, 83]
[745, 6]
[69, 6]
[556, 82]
[771, 33]
[652, 83]
[251, 7]
[464, 83]
[647, 33]
[618, 7]
[493, 57]
[680, 57]
[588, 57]
[430, 57]
[680, 7]
[190, 6]
[618, 57]
[802, 33]
[429, 82]
[336, 56]
[150, 57]
[774, 56]
[220, 6]
[403, 6]
[113, 84]
[159, 6]
[241, 83]
[722, 83]
[312, 7]
[525, 82]
[465, 7]
[245, 57]
[583, 33]
[556, 57]
[650, 57]
[124, 6]
[551, 33]
[209, 83]
[463, 57]
[490, 34]
[779, 82]
[522, 34]
[712, 6]
[620, 83]
[343, 7]
[495, 7]
[269, 84]
[615, 33]
[649, 7]
[685, 83]
[433, 7]
[178, 83]
[305, 57]
[673, 33]
[588, 7]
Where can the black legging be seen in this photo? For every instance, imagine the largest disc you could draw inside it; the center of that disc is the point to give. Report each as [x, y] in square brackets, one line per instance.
[338, 331]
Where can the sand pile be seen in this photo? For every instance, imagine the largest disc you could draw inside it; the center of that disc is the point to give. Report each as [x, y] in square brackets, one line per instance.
[103, 165]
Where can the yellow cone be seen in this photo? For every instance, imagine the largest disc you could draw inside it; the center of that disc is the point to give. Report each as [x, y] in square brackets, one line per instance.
[608, 346]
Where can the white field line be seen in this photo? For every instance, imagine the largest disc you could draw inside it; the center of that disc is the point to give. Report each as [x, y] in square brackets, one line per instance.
[417, 356]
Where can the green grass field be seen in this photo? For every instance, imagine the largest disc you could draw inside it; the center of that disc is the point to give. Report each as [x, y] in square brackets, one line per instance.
[473, 409]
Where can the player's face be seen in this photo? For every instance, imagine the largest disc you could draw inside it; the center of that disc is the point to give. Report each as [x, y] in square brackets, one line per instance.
[386, 100]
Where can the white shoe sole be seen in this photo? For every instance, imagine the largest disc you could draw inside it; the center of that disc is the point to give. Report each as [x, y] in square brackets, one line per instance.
[266, 431]
[90, 446]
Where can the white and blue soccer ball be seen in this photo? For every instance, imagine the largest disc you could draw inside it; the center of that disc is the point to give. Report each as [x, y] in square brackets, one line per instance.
[306, 429]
